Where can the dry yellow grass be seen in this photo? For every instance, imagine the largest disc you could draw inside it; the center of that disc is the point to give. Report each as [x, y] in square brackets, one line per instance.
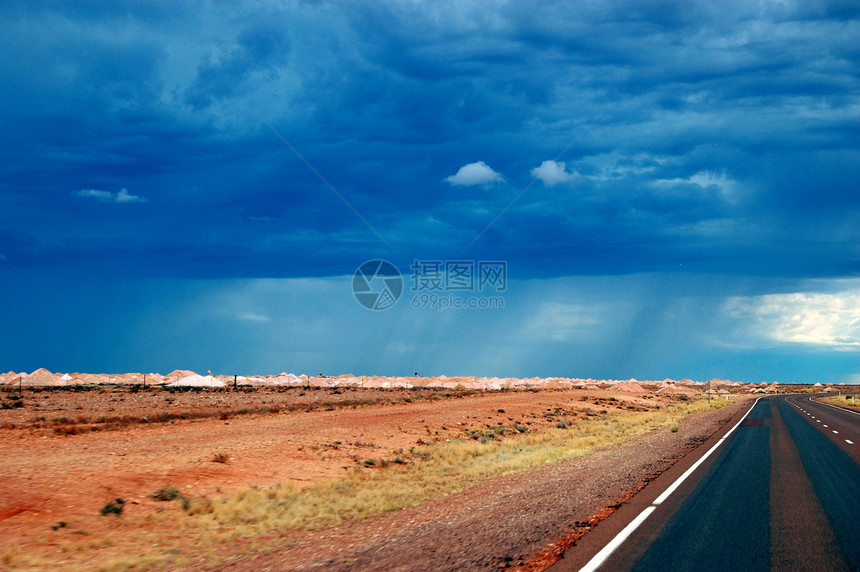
[842, 400]
[432, 471]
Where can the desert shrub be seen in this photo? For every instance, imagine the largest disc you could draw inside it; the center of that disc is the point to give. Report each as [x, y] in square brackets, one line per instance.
[220, 457]
[167, 493]
[675, 428]
[561, 425]
[113, 507]
[66, 430]
[80, 387]
[197, 505]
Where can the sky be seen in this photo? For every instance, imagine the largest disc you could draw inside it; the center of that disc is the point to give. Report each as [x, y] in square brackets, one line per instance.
[579, 189]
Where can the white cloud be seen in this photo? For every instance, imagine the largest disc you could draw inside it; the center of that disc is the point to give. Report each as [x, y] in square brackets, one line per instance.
[475, 174]
[727, 187]
[820, 319]
[552, 173]
[123, 196]
[103, 196]
[251, 317]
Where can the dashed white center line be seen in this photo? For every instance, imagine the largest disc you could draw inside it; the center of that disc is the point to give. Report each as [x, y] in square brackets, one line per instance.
[818, 420]
[825, 425]
[835, 431]
[849, 442]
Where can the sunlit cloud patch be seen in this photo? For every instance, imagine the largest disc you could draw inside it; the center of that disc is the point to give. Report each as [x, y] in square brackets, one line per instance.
[818, 319]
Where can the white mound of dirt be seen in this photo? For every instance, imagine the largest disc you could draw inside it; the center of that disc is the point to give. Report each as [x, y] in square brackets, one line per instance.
[197, 381]
[628, 387]
[676, 390]
[177, 374]
[42, 377]
[284, 379]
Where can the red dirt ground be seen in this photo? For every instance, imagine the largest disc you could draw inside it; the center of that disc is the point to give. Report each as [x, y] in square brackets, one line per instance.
[69, 453]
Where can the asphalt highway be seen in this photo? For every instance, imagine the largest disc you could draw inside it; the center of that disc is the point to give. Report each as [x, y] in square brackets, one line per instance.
[781, 492]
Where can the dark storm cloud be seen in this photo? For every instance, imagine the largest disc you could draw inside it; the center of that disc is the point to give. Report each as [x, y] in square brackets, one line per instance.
[260, 49]
[702, 134]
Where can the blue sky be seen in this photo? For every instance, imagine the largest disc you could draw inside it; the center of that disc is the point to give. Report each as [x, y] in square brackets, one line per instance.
[672, 186]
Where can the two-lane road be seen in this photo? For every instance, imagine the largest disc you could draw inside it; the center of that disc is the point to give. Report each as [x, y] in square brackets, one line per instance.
[779, 493]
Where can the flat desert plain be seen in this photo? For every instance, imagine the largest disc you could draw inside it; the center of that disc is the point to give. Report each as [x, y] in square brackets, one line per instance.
[284, 478]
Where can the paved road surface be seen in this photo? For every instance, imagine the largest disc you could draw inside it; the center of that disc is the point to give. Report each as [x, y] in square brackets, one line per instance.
[782, 492]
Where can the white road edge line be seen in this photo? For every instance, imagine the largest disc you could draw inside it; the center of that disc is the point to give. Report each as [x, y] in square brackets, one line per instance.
[834, 407]
[619, 539]
[598, 559]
